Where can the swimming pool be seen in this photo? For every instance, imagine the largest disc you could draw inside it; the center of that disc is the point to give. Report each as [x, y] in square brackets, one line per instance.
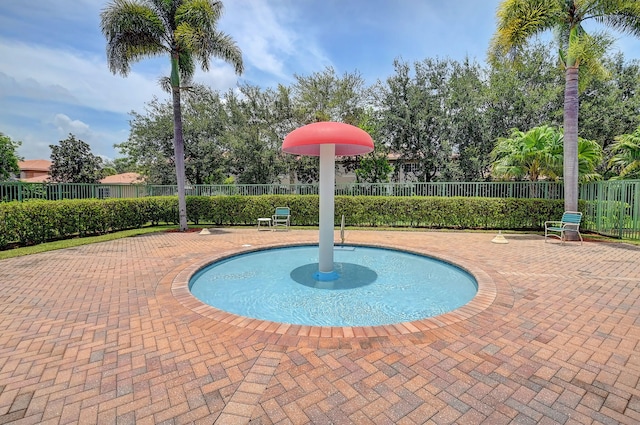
[376, 286]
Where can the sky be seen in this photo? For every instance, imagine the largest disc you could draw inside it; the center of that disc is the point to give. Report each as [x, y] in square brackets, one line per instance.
[54, 78]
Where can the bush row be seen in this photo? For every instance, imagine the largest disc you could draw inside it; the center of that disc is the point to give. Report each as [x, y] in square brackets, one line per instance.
[37, 221]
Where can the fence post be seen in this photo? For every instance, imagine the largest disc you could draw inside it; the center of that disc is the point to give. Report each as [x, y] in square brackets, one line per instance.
[622, 208]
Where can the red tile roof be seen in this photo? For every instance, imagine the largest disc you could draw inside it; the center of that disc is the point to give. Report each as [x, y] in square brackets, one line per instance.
[35, 165]
[124, 178]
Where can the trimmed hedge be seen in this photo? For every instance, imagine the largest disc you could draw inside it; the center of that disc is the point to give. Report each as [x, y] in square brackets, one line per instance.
[36, 221]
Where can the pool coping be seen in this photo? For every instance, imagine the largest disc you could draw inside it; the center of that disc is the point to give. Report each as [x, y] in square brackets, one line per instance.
[294, 335]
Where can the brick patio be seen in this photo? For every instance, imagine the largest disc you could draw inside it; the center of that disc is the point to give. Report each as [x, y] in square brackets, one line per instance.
[105, 334]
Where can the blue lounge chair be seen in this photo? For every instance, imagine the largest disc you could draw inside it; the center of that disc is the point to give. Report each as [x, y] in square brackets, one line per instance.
[570, 222]
[281, 218]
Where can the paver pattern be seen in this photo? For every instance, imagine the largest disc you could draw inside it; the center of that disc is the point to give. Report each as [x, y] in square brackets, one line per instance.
[95, 335]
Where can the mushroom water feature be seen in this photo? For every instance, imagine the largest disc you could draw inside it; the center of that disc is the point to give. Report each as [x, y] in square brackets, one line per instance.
[327, 140]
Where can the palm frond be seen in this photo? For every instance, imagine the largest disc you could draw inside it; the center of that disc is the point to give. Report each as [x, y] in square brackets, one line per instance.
[196, 31]
[519, 20]
[626, 158]
[133, 31]
[203, 14]
[622, 15]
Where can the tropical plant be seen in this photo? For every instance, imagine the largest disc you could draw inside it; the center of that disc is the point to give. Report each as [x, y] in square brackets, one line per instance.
[519, 20]
[589, 159]
[538, 153]
[626, 158]
[183, 29]
[528, 156]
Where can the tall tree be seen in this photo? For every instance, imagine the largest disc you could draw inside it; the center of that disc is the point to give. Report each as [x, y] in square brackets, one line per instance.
[611, 106]
[8, 157]
[324, 96]
[526, 95]
[252, 135]
[73, 162]
[519, 20]
[414, 119]
[466, 104]
[150, 146]
[183, 29]
[373, 167]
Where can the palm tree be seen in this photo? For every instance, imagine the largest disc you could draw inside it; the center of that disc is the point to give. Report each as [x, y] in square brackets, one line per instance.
[183, 29]
[519, 20]
[626, 158]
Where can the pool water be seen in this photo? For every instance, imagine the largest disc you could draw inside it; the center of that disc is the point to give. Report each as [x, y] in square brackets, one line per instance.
[376, 286]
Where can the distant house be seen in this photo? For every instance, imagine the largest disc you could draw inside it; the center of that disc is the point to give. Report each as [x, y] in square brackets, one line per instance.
[124, 178]
[120, 186]
[34, 170]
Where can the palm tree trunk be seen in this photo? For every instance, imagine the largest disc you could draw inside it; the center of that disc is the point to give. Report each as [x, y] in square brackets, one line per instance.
[570, 163]
[178, 147]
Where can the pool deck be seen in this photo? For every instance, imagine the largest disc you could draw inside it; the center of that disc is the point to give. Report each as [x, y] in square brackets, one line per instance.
[107, 334]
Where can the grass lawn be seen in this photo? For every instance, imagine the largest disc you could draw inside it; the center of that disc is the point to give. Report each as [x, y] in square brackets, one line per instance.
[70, 243]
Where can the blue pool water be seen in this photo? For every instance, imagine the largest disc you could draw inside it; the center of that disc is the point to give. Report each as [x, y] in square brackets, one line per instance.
[376, 286]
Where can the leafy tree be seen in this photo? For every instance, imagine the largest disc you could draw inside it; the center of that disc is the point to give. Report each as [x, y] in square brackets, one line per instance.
[590, 156]
[466, 105]
[253, 137]
[324, 96]
[73, 162]
[150, 142]
[183, 29]
[414, 122]
[519, 20]
[204, 128]
[373, 167]
[8, 157]
[150, 146]
[108, 171]
[122, 165]
[611, 106]
[525, 94]
[626, 158]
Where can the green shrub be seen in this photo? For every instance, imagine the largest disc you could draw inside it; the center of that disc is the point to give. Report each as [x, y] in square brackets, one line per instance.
[37, 221]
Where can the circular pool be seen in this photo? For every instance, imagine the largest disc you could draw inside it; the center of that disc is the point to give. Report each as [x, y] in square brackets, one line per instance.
[376, 286]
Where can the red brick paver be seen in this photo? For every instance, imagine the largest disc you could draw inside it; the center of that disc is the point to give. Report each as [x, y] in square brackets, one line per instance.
[107, 334]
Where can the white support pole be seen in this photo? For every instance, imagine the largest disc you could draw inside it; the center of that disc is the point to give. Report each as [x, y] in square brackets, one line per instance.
[327, 203]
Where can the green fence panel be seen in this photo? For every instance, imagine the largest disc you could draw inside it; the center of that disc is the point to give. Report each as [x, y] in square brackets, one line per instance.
[611, 208]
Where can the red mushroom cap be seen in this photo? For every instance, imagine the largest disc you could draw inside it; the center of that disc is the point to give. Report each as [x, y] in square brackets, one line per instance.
[349, 140]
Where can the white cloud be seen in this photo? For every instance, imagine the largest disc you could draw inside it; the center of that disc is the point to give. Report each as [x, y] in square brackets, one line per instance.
[66, 125]
[273, 38]
[39, 72]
